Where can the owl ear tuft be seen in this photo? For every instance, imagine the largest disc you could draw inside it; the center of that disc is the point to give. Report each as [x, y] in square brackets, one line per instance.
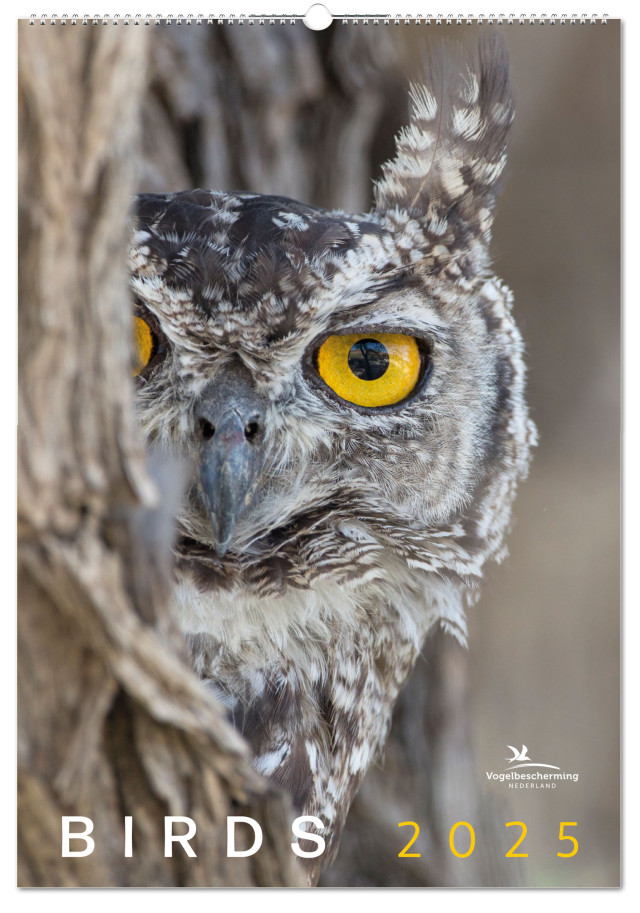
[448, 162]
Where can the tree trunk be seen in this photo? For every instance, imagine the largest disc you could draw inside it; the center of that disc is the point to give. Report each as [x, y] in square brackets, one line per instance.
[112, 722]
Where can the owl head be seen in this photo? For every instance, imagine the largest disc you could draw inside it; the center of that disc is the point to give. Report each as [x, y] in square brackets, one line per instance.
[347, 389]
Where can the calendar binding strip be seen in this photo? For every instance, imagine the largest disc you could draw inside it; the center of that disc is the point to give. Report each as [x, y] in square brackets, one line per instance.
[291, 18]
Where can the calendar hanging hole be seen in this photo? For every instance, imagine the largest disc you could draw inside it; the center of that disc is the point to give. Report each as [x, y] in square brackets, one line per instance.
[318, 17]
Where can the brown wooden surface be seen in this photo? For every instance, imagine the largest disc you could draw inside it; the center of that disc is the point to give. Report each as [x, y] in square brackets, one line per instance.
[111, 720]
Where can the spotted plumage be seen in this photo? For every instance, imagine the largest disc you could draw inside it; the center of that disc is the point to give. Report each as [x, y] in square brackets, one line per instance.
[354, 531]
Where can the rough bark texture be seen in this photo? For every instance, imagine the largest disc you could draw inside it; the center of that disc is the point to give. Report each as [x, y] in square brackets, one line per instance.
[111, 721]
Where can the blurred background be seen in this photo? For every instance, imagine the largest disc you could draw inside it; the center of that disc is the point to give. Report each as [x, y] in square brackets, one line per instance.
[545, 638]
[279, 109]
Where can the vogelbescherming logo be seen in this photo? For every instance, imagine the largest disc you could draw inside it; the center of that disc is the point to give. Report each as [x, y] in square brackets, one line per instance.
[531, 779]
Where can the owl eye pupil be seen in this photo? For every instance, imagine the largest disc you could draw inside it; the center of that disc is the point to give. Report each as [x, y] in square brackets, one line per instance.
[368, 359]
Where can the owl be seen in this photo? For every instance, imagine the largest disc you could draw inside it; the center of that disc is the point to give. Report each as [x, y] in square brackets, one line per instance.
[348, 391]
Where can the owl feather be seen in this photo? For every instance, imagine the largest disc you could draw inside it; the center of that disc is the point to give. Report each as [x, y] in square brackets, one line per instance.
[450, 158]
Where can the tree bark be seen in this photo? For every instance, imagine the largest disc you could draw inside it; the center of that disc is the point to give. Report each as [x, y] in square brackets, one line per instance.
[112, 722]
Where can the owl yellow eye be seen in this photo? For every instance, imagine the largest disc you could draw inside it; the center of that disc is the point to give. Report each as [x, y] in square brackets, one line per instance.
[373, 369]
[143, 344]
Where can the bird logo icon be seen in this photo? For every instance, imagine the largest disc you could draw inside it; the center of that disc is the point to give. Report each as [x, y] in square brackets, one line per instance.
[518, 755]
[521, 759]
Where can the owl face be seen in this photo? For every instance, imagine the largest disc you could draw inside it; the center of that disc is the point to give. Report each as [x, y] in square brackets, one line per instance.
[342, 386]
[360, 387]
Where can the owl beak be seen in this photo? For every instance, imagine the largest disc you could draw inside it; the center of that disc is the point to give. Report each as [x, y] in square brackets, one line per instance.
[231, 458]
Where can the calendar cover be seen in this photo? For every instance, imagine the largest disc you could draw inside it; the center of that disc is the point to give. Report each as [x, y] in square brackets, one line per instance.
[318, 469]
